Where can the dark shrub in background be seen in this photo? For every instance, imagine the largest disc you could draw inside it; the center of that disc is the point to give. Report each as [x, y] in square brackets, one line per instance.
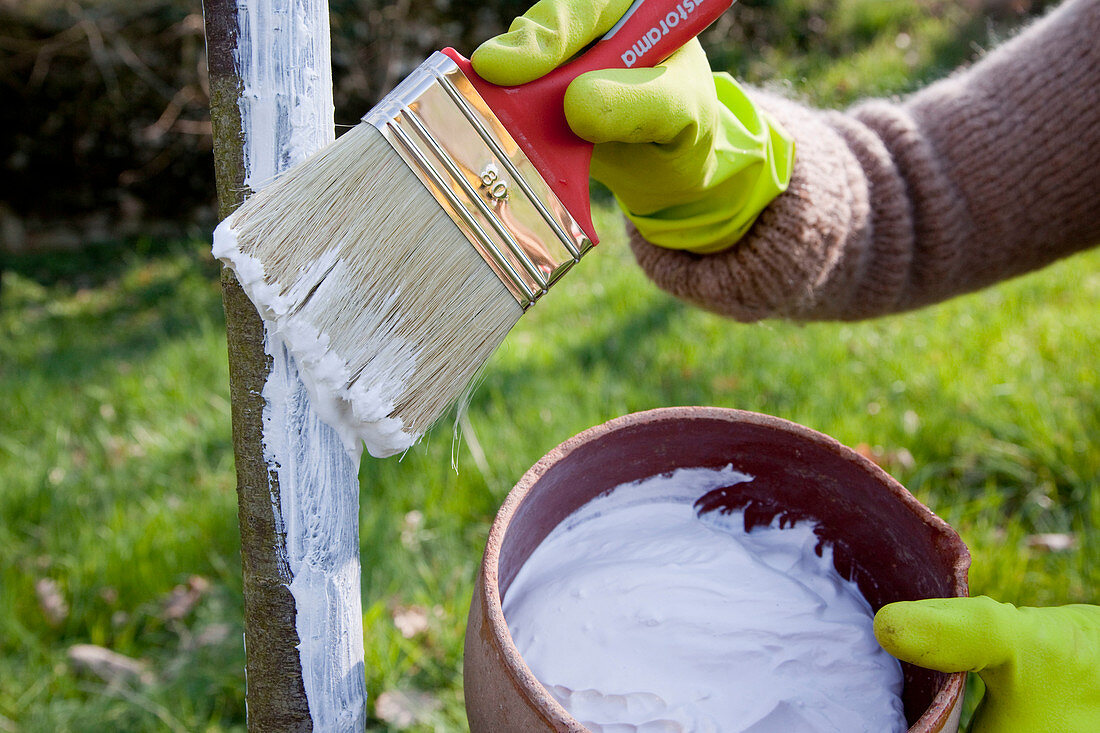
[103, 120]
[104, 127]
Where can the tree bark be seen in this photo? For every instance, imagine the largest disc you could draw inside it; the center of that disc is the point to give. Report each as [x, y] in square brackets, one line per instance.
[292, 471]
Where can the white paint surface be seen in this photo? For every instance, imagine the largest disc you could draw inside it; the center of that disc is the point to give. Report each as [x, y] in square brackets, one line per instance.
[287, 113]
[637, 615]
[285, 63]
[318, 511]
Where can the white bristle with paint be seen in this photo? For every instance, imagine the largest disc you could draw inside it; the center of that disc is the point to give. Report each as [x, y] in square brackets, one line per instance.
[387, 329]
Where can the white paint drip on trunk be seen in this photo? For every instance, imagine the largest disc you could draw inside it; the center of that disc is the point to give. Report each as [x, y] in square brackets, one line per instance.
[287, 113]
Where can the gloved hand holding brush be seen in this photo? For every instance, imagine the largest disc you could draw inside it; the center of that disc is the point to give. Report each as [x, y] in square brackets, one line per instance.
[890, 205]
[689, 157]
[1041, 666]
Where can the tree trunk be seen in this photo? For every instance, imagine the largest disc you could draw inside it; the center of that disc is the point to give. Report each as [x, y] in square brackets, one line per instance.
[298, 490]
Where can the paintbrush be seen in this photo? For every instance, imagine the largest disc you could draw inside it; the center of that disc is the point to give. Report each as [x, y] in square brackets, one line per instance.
[395, 261]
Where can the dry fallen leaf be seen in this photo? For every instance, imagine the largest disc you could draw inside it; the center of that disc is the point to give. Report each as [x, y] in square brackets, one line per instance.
[410, 620]
[410, 528]
[213, 634]
[403, 709]
[887, 459]
[183, 598]
[109, 666]
[1052, 542]
[50, 600]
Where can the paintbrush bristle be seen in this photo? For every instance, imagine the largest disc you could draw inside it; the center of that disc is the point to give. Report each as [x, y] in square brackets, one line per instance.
[388, 308]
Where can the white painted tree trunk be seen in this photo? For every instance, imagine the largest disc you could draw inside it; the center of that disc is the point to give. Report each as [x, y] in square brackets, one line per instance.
[282, 80]
[319, 513]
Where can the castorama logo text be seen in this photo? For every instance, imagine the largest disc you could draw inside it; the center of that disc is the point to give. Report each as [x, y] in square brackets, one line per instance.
[642, 46]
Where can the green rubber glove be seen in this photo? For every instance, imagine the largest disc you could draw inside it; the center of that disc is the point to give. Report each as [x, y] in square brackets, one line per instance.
[691, 160]
[1040, 666]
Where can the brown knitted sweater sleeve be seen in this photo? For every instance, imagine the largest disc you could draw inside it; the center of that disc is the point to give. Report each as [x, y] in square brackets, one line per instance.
[990, 173]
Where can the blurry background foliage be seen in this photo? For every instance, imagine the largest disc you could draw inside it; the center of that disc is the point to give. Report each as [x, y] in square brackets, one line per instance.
[104, 129]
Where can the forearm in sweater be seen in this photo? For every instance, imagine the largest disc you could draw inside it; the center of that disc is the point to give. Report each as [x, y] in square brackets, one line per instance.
[985, 175]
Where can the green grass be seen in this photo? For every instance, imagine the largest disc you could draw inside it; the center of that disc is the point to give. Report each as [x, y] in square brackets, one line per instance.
[835, 52]
[117, 480]
[116, 477]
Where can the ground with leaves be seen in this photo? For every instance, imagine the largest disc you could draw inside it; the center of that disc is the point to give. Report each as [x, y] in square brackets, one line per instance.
[117, 511]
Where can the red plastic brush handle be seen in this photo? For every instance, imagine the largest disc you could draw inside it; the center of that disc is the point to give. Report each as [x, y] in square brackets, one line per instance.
[534, 113]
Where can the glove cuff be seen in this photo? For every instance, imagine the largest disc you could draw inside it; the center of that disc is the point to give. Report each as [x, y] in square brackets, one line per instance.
[753, 158]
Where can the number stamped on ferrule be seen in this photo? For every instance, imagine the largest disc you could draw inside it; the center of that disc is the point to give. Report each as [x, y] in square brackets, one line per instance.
[495, 188]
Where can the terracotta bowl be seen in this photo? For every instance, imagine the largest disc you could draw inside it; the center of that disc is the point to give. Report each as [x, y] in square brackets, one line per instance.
[887, 541]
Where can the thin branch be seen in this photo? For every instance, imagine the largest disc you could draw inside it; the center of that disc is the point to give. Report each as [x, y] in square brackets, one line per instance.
[171, 113]
[99, 56]
[139, 67]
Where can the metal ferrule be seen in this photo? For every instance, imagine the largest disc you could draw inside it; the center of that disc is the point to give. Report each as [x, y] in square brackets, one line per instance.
[444, 131]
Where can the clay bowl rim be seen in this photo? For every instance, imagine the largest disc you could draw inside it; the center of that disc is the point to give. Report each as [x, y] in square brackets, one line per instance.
[521, 676]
